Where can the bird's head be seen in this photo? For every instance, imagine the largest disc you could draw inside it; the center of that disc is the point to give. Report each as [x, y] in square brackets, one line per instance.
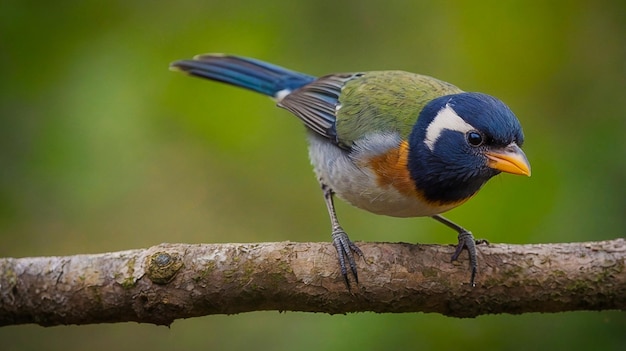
[462, 140]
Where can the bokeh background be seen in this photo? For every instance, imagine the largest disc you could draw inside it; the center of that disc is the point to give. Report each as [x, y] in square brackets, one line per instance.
[103, 149]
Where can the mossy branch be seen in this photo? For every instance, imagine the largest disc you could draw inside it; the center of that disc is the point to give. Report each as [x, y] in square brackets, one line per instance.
[171, 281]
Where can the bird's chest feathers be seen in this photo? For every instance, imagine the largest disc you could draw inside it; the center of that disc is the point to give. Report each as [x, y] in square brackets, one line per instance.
[389, 169]
[373, 176]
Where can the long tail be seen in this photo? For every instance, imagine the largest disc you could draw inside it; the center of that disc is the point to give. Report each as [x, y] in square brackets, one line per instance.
[243, 72]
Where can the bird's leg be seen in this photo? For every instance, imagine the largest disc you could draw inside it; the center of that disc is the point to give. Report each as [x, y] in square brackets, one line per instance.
[466, 241]
[342, 243]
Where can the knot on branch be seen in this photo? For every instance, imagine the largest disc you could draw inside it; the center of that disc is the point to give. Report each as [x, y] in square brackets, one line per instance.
[163, 266]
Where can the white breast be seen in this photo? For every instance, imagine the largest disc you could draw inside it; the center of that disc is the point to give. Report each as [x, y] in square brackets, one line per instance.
[352, 181]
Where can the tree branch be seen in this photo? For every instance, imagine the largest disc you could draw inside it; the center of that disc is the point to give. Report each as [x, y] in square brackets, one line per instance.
[170, 281]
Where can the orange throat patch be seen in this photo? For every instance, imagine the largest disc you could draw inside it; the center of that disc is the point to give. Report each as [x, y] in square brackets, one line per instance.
[391, 169]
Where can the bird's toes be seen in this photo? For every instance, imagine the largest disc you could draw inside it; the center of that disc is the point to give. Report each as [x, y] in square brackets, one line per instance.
[467, 241]
[481, 242]
[345, 249]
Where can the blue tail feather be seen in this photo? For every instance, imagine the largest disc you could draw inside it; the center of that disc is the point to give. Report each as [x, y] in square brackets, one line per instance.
[243, 72]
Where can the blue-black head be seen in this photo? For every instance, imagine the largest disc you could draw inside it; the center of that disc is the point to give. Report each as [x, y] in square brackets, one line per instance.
[462, 140]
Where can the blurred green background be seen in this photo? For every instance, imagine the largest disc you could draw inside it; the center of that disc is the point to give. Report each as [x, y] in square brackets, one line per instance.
[103, 149]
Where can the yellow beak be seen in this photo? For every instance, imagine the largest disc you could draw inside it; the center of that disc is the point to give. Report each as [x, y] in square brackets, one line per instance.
[511, 159]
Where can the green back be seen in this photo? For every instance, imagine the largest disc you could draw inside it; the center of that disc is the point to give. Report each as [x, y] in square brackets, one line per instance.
[382, 101]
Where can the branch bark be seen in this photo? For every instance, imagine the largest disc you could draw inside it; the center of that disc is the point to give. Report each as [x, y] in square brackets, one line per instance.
[170, 281]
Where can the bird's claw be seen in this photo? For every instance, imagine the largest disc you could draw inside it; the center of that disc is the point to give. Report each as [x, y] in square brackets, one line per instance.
[467, 241]
[345, 249]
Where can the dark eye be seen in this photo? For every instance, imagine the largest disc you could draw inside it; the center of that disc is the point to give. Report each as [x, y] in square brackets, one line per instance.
[474, 138]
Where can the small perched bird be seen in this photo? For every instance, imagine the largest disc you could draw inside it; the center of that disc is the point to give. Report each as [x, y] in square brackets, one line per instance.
[389, 142]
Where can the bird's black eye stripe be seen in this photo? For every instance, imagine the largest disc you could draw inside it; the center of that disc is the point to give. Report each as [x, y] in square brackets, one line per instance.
[474, 138]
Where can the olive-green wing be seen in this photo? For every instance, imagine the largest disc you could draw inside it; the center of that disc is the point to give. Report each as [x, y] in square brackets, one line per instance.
[385, 101]
[346, 107]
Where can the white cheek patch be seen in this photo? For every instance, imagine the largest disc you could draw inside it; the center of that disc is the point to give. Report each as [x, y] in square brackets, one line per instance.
[446, 119]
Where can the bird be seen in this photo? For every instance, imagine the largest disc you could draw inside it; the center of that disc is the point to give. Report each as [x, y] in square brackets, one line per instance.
[389, 142]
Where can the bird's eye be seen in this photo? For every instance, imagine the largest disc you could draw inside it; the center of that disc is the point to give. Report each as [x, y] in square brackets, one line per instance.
[474, 138]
